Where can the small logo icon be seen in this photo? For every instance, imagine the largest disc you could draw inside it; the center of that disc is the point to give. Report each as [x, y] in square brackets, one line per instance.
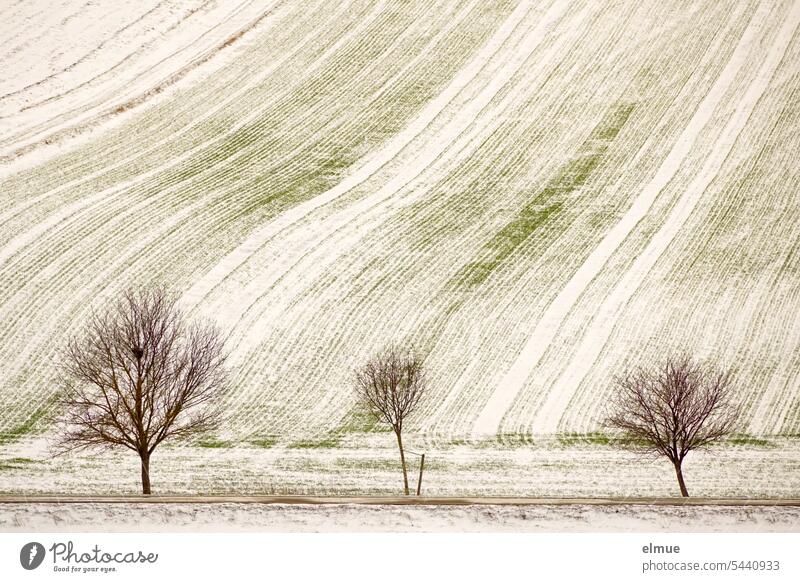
[31, 555]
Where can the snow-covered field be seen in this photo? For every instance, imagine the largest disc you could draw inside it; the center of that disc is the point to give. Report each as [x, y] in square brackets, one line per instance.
[224, 517]
[535, 194]
[557, 468]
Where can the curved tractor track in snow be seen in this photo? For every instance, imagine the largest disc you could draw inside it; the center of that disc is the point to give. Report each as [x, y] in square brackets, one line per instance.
[549, 414]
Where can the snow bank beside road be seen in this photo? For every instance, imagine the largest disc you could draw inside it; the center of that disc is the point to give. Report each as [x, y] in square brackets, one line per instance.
[251, 517]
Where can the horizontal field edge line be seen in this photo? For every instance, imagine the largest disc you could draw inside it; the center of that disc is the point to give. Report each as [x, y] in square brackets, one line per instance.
[392, 500]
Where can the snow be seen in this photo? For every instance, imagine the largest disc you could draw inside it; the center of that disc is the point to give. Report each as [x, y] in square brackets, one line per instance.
[548, 416]
[92, 63]
[310, 271]
[252, 517]
[377, 160]
[360, 465]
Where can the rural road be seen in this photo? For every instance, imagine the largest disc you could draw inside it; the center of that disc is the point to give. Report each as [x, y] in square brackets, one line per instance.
[411, 500]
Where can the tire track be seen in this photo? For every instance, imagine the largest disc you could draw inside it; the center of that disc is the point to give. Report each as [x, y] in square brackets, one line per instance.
[343, 236]
[82, 59]
[195, 295]
[549, 415]
[119, 99]
[488, 422]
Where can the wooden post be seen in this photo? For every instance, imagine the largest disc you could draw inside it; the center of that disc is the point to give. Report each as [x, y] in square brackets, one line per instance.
[421, 466]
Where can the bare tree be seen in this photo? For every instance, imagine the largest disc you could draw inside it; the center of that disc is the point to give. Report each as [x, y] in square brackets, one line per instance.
[138, 375]
[672, 409]
[390, 386]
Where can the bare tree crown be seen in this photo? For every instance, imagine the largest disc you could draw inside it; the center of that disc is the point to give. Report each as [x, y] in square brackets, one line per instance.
[674, 408]
[139, 374]
[391, 385]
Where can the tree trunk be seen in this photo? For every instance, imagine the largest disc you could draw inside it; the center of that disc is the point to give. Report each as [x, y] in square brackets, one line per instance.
[145, 473]
[402, 462]
[679, 473]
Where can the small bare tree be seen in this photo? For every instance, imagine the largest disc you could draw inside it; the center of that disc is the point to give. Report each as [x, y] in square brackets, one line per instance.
[138, 375]
[672, 409]
[390, 386]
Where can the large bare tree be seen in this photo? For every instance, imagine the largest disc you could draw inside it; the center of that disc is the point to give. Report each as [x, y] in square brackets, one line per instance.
[139, 374]
[672, 409]
[390, 385]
